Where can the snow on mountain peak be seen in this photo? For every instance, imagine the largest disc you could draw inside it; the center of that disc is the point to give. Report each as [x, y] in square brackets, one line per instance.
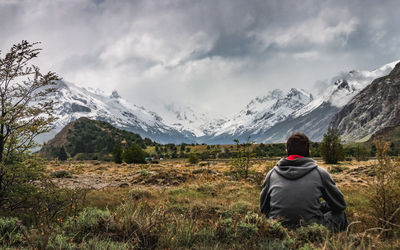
[184, 118]
[75, 102]
[263, 112]
[345, 87]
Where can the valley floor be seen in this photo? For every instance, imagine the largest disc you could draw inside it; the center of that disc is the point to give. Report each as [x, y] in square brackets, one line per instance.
[175, 204]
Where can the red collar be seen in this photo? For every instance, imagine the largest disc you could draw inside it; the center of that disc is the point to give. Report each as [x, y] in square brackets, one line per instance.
[294, 157]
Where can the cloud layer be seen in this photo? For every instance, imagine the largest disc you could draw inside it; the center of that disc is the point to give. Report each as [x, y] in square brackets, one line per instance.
[216, 54]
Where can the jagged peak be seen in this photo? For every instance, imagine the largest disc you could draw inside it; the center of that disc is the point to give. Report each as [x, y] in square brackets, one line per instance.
[274, 94]
[115, 95]
[396, 70]
[294, 92]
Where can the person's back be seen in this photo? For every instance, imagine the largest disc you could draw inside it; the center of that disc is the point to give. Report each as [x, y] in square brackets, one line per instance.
[292, 190]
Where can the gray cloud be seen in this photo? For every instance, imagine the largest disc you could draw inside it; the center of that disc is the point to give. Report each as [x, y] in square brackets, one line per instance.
[215, 54]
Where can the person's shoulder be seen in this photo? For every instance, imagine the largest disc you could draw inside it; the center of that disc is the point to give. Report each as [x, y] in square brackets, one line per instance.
[324, 173]
[271, 171]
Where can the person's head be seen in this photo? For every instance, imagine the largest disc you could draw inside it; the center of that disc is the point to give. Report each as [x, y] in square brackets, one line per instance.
[298, 144]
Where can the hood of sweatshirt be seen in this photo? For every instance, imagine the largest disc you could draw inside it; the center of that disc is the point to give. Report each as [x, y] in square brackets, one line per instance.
[294, 169]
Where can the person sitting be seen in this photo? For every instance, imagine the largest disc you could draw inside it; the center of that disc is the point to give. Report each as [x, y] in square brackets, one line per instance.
[293, 189]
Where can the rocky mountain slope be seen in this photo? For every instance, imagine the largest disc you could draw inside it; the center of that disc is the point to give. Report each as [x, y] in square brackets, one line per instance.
[315, 117]
[376, 107]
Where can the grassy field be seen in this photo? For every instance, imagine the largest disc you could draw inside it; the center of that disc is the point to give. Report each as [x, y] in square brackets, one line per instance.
[176, 205]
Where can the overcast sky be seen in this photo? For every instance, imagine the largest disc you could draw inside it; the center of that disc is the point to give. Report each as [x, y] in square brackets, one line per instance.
[213, 54]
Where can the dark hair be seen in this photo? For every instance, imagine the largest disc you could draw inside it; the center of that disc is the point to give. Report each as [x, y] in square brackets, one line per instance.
[298, 144]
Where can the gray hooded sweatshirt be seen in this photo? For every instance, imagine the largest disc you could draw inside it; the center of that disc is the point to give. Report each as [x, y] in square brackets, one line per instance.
[292, 192]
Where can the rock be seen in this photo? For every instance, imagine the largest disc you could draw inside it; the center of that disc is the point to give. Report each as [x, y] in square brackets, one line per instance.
[124, 185]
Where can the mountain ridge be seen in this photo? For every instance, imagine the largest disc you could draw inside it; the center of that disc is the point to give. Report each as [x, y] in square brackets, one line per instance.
[376, 107]
[269, 118]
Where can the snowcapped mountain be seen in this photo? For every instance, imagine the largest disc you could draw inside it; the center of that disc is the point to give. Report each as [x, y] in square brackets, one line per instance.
[314, 118]
[345, 87]
[75, 102]
[269, 118]
[375, 108]
[260, 115]
[185, 119]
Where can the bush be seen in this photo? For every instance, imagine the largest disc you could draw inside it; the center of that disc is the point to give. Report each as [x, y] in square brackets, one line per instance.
[312, 233]
[241, 164]
[62, 155]
[331, 147]
[193, 158]
[117, 154]
[385, 189]
[61, 174]
[88, 223]
[134, 154]
[11, 231]
[19, 180]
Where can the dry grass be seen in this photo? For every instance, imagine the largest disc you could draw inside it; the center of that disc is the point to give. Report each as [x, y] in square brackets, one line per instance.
[198, 201]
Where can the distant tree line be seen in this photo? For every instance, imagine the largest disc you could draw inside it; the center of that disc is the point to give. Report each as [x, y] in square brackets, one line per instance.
[96, 140]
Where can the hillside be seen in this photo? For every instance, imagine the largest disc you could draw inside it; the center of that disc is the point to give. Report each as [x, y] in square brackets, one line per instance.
[89, 139]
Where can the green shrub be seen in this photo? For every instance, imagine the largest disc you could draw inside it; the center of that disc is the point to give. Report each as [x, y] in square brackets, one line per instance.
[60, 241]
[134, 154]
[88, 223]
[193, 158]
[117, 154]
[241, 164]
[61, 174]
[274, 229]
[62, 155]
[331, 147]
[11, 231]
[312, 233]
[98, 244]
[225, 229]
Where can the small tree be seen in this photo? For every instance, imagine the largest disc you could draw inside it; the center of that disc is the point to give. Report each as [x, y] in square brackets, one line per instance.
[193, 158]
[134, 154]
[25, 112]
[62, 155]
[331, 148]
[385, 189]
[241, 164]
[117, 154]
